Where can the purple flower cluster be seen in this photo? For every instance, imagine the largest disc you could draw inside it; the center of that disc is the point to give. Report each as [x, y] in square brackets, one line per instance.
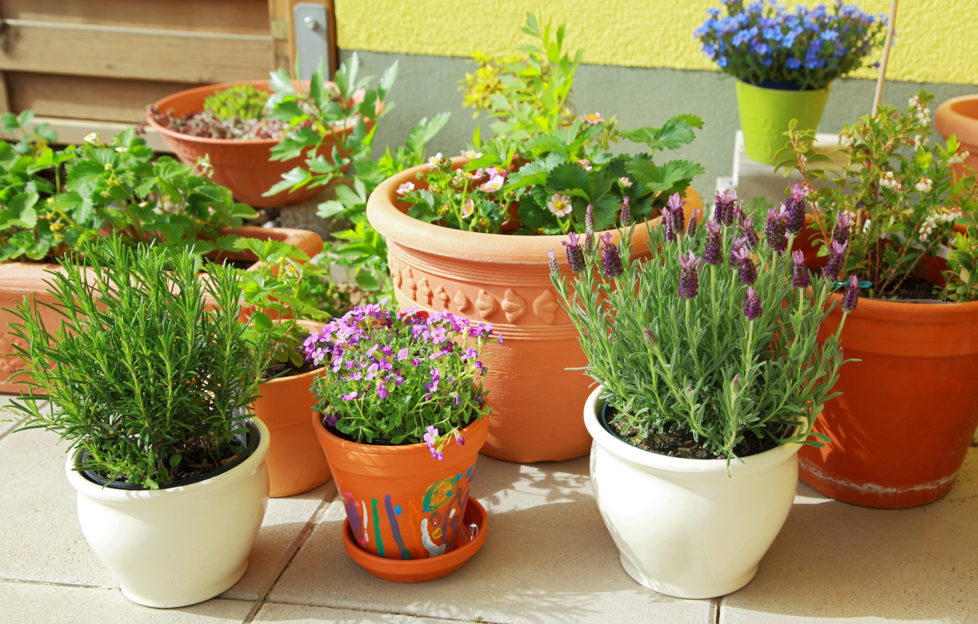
[377, 362]
[761, 43]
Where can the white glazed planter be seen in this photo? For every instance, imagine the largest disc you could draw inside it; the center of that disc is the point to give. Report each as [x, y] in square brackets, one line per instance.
[182, 545]
[684, 527]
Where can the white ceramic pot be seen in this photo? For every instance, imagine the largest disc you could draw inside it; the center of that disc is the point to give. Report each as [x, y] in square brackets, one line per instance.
[685, 527]
[182, 545]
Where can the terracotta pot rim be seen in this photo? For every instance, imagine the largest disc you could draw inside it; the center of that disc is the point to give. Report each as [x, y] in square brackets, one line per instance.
[667, 463]
[472, 430]
[918, 310]
[948, 120]
[394, 224]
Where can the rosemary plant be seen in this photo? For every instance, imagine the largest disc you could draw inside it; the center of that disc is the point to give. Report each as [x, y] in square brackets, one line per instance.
[143, 373]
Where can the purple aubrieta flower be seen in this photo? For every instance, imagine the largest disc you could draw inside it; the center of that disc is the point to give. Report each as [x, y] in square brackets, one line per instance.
[689, 266]
[799, 272]
[575, 255]
[350, 396]
[431, 439]
[610, 258]
[712, 247]
[752, 305]
[851, 295]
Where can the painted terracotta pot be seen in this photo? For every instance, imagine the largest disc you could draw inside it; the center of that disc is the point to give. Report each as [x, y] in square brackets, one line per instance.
[908, 409]
[691, 528]
[179, 545]
[25, 279]
[401, 503]
[505, 280]
[295, 462]
[240, 165]
[959, 116]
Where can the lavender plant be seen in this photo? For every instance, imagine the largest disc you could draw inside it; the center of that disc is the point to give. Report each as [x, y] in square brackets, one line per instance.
[766, 45]
[895, 200]
[710, 348]
[399, 377]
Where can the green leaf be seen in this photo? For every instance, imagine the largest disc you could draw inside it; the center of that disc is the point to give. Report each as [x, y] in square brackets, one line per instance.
[366, 280]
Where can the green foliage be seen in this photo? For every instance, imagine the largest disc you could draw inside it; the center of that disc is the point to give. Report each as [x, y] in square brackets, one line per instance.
[240, 101]
[962, 278]
[897, 190]
[53, 200]
[286, 286]
[143, 372]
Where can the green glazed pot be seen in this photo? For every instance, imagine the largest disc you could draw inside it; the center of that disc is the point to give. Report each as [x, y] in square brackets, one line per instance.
[765, 113]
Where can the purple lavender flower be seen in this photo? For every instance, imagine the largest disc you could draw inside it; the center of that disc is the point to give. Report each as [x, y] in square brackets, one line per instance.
[575, 256]
[693, 223]
[747, 232]
[843, 223]
[851, 295]
[795, 207]
[748, 270]
[799, 272]
[775, 229]
[589, 229]
[626, 211]
[837, 252]
[734, 257]
[688, 275]
[723, 206]
[552, 261]
[610, 258]
[752, 305]
[676, 203]
[712, 247]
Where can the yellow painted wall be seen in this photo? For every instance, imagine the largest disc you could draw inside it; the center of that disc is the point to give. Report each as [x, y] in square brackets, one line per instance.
[935, 38]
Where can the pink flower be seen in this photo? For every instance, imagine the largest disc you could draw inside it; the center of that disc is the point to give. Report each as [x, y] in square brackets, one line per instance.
[559, 205]
[494, 183]
[405, 188]
[585, 163]
[592, 119]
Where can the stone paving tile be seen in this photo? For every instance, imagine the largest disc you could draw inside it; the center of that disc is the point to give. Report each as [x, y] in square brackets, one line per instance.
[6, 415]
[547, 558]
[32, 603]
[275, 612]
[837, 562]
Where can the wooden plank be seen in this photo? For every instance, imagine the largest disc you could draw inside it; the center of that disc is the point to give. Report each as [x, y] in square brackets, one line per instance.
[75, 130]
[86, 97]
[237, 16]
[143, 53]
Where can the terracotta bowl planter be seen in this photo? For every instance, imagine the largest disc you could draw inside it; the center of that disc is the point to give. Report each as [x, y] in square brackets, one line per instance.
[241, 165]
[23, 279]
[959, 116]
[401, 503]
[505, 280]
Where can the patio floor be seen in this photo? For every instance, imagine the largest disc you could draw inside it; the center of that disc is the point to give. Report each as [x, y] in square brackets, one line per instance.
[548, 558]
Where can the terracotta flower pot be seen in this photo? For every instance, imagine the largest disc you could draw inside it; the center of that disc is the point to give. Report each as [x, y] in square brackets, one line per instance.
[902, 427]
[23, 279]
[240, 165]
[505, 280]
[401, 503]
[295, 462]
[959, 116]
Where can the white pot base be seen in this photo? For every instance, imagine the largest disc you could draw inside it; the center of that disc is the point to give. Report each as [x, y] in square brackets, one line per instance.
[676, 591]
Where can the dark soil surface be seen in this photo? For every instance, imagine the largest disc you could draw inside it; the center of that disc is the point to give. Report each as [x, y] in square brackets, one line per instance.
[916, 288]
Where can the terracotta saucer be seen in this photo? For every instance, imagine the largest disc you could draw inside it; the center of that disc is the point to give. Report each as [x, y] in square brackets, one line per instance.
[469, 542]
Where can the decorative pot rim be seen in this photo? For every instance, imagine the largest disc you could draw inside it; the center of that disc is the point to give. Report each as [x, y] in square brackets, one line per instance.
[475, 430]
[966, 127]
[787, 88]
[109, 494]
[393, 223]
[667, 463]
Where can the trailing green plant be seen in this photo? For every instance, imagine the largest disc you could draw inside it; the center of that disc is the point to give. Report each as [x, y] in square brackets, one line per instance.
[895, 197]
[543, 169]
[52, 200]
[237, 112]
[148, 369]
[709, 348]
[241, 101]
[283, 288]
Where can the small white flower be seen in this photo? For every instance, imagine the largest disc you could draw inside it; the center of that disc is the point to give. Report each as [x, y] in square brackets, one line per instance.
[956, 159]
[434, 160]
[866, 225]
[924, 185]
[888, 180]
[471, 154]
[468, 208]
[625, 182]
[405, 188]
[494, 183]
[845, 140]
[91, 137]
[122, 149]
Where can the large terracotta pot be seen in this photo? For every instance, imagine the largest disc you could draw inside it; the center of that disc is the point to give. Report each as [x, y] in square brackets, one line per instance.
[241, 165]
[22, 279]
[692, 528]
[903, 424]
[959, 116]
[295, 461]
[402, 503]
[177, 545]
[505, 280]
